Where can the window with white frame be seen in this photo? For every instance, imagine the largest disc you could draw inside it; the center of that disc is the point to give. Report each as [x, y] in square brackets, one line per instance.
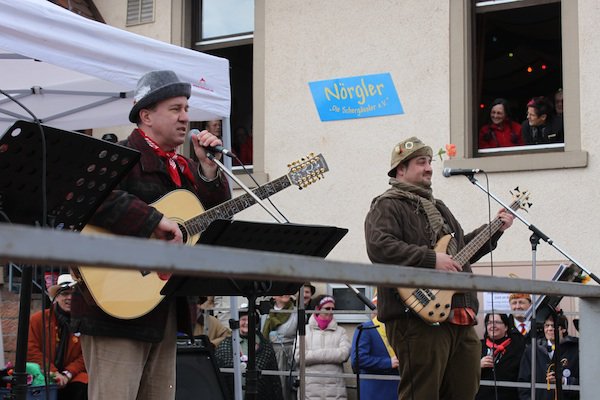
[517, 68]
[347, 300]
[514, 50]
[225, 28]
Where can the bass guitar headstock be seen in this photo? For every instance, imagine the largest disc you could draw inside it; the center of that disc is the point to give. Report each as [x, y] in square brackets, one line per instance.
[307, 170]
[520, 199]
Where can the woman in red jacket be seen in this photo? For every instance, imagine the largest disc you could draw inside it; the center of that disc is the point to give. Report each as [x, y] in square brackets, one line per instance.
[501, 131]
[63, 355]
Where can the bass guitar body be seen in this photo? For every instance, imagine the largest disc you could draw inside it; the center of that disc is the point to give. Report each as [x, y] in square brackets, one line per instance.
[432, 305]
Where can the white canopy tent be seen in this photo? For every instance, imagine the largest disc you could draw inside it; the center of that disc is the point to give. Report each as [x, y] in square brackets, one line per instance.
[75, 73]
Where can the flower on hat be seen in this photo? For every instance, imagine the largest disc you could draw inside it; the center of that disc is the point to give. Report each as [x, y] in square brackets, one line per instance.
[450, 151]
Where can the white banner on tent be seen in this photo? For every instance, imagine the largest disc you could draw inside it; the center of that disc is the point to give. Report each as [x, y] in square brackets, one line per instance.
[77, 73]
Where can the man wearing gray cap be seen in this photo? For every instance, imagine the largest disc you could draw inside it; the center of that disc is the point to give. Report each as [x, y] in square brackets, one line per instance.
[402, 228]
[129, 359]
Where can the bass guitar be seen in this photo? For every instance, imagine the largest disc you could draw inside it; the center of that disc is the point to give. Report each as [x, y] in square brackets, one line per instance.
[433, 305]
[128, 294]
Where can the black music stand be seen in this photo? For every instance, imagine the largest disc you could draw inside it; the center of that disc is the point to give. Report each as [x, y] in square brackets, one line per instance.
[546, 305]
[80, 172]
[309, 240]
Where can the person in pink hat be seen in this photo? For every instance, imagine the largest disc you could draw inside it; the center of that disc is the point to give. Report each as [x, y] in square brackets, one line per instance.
[327, 348]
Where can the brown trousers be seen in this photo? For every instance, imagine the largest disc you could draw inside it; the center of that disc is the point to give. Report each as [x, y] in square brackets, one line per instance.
[436, 362]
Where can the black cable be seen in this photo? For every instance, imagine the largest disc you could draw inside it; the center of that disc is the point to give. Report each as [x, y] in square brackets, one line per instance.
[491, 250]
[258, 185]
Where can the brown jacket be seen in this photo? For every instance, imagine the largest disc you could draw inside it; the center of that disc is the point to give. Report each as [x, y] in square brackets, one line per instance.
[397, 232]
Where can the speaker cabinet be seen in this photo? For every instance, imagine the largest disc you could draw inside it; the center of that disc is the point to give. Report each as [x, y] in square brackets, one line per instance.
[198, 376]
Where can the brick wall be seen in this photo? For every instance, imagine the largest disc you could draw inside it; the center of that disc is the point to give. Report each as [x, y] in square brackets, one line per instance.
[9, 316]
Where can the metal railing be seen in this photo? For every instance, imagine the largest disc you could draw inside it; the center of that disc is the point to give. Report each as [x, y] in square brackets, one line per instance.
[48, 247]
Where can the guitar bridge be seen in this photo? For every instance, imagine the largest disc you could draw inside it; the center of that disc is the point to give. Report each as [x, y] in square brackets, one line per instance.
[424, 296]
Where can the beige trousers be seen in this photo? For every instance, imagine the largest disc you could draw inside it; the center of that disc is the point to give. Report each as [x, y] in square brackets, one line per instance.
[127, 369]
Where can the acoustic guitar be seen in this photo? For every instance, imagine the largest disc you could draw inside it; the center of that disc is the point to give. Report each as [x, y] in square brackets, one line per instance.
[128, 294]
[433, 305]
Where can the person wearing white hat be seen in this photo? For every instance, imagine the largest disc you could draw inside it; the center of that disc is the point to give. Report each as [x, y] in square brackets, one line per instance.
[135, 358]
[62, 347]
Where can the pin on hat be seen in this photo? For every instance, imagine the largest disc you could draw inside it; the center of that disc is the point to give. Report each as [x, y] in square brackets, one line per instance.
[407, 149]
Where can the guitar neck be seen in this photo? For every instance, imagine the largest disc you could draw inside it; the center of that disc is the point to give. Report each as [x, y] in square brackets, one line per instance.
[480, 240]
[231, 207]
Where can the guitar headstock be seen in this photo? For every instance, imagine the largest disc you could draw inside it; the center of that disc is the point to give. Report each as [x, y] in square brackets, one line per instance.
[307, 170]
[520, 199]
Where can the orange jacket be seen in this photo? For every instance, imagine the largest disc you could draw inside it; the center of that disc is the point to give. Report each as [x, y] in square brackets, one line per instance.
[73, 358]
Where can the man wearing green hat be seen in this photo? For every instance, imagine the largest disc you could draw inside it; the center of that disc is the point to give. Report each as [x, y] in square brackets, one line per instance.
[402, 228]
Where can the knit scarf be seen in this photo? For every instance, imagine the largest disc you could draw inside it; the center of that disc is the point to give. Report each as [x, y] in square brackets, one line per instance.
[424, 198]
[173, 160]
[322, 322]
[275, 320]
[497, 347]
[63, 320]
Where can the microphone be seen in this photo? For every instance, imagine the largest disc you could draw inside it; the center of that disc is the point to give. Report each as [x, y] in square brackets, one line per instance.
[448, 172]
[212, 149]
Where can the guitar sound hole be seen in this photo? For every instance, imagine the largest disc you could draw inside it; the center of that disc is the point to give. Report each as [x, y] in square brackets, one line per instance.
[184, 233]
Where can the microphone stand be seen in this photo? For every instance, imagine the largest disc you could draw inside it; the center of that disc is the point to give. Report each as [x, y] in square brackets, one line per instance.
[360, 328]
[534, 229]
[534, 240]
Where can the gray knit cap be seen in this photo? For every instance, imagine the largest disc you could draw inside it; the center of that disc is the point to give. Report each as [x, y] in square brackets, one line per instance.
[154, 87]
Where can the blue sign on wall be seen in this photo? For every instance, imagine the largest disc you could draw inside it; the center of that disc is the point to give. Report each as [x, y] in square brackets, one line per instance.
[356, 97]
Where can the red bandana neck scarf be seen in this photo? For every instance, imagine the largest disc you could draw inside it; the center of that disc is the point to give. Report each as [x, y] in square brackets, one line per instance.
[173, 159]
[498, 347]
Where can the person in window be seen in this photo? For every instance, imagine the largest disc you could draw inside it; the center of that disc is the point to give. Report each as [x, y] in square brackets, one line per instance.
[541, 125]
[242, 145]
[327, 348]
[214, 127]
[558, 102]
[558, 108]
[568, 357]
[501, 131]
[501, 352]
